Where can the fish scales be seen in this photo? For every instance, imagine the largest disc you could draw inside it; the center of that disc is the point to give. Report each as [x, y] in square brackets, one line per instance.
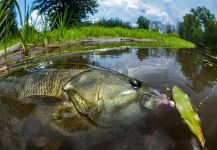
[48, 82]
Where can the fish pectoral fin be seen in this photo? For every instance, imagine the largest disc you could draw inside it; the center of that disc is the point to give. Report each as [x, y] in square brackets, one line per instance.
[42, 100]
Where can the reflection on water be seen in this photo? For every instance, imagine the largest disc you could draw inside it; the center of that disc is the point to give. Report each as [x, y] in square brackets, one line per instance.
[162, 68]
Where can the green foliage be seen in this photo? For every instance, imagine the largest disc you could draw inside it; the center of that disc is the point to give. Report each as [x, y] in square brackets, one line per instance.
[76, 10]
[143, 22]
[96, 31]
[210, 35]
[173, 34]
[26, 31]
[169, 28]
[188, 114]
[2, 20]
[61, 22]
[113, 23]
[186, 28]
[44, 30]
[7, 33]
[7, 16]
[10, 42]
[202, 16]
[6, 25]
[199, 26]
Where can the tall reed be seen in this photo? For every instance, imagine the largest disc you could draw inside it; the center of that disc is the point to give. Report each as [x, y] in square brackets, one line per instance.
[25, 26]
[44, 29]
[61, 21]
[6, 32]
[2, 20]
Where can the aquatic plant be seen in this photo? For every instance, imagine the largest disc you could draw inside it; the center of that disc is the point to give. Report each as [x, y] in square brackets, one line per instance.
[6, 32]
[7, 10]
[44, 29]
[6, 24]
[25, 29]
[188, 114]
[61, 22]
[2, 19]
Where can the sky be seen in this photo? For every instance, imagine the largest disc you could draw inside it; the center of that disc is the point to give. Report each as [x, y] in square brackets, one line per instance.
[167, 11]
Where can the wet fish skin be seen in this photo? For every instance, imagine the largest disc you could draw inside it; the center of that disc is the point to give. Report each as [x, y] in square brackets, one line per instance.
[47, 82]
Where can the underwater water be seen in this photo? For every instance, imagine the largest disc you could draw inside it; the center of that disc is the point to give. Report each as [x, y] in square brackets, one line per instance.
[160, 68]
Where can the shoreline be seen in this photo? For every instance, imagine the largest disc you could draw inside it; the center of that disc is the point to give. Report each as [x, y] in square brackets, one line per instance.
[84, 42]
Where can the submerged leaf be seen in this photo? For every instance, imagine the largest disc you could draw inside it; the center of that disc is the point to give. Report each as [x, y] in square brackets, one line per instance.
[187, 112]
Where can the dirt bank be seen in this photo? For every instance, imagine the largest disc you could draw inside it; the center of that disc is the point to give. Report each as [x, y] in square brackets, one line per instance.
[85, 42]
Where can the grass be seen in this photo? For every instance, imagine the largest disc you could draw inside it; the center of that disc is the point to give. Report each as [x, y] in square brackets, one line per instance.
[10, 43]
[78, 33]
[96, 31]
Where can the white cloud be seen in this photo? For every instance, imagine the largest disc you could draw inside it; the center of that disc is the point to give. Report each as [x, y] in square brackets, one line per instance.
[34, 16]
[154, 11]
[133, 5]
[37, 20]
[130, 10]
[167, 1]
[163, 10]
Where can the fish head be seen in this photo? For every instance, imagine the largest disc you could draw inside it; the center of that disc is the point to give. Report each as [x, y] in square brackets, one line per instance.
[108, 98]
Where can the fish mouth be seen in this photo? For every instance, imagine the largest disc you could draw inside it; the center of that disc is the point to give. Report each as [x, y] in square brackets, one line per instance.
[158, 101]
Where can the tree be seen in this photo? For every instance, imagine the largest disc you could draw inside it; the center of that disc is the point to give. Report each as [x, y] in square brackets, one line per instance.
[155, 26]
[7, 16]
[202, 16]
[210, 36]
[76, 10]
[143, 22]
[195, 24]
[169, 28]
[113, 22]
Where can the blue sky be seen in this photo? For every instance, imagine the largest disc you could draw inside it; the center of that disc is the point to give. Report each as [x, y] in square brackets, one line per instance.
[163, 10]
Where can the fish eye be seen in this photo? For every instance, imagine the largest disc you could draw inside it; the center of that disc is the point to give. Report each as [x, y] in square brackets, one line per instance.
[135, 83]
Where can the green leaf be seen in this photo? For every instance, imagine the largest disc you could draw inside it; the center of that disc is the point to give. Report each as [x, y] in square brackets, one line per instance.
[187, 113]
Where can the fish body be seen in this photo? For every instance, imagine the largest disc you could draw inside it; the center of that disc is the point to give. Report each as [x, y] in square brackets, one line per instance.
[60, 101]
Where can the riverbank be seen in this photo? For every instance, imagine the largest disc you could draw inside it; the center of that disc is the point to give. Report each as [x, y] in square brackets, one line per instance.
[93, 43]
[62, 36]
[88, 38]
